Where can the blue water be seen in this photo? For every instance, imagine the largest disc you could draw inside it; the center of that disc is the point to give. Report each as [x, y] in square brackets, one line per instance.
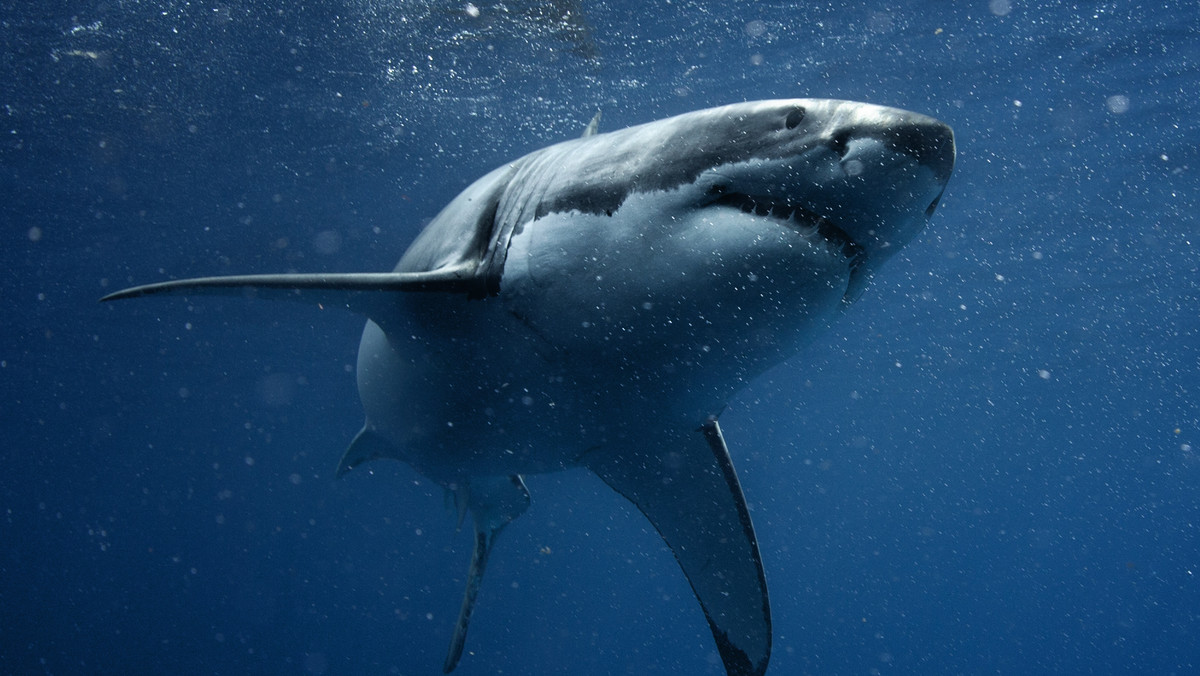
[992, 465]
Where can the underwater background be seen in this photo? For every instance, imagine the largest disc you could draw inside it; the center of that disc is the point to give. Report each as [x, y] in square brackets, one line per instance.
[990, 465]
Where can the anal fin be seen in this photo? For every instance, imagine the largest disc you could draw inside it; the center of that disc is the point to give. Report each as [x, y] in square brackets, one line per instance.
[686, 486]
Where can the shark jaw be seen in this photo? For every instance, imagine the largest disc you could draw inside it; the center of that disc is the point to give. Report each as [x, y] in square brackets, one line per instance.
[799, 218]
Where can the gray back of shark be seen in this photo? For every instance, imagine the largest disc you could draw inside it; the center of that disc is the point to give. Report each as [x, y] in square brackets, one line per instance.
[596, 302]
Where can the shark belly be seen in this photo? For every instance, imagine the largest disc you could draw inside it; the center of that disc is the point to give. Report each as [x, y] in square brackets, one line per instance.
[452, 408]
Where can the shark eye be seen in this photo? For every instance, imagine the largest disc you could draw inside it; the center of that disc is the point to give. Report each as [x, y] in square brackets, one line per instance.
[795, 117]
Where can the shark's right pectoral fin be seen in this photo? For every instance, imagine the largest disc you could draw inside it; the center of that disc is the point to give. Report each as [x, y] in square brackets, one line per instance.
[692, 496]
[366, 293]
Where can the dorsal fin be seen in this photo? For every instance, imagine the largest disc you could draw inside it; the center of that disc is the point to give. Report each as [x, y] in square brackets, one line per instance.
[592, 127]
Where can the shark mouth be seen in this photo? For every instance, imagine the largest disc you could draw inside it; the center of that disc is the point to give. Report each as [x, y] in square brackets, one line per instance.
[801, 220]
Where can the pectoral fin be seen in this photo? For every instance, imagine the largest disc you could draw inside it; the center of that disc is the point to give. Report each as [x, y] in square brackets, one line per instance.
[458, 278]
[367, 445]
[691, 494]
[366, 293]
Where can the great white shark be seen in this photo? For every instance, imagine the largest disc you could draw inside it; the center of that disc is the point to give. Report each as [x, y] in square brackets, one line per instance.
[595, 303]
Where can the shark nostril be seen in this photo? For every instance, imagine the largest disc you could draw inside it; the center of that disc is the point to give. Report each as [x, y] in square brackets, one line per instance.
[840, 143]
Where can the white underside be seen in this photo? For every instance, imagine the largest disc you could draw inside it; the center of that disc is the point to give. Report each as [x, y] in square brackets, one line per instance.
[607, 329]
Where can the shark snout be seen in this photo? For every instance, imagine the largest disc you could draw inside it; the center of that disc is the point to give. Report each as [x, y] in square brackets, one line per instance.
[927, 140]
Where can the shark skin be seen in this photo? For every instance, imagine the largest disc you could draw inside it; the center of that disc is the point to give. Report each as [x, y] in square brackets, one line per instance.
[595, 303]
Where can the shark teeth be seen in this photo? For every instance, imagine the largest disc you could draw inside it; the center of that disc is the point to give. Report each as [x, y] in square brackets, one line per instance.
[800, 219]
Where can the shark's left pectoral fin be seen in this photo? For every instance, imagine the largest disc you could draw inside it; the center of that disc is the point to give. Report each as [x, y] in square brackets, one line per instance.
[493, 503]
[367, 445]
[692, 496]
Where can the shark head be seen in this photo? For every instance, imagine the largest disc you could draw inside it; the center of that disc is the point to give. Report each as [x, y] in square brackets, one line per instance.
[862, 179]
[713, 244]
[850, 172]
